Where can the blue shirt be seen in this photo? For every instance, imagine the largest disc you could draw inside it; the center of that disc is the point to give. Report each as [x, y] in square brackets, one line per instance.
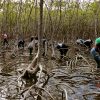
[96, 56]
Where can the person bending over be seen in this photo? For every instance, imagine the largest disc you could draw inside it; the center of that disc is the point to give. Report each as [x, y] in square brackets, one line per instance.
[63, 49]
[95, 52]
[86, 43]
[21, 42]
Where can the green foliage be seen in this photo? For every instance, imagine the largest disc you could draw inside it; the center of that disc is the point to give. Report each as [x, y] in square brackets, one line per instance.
[59, 3]
[72, 17]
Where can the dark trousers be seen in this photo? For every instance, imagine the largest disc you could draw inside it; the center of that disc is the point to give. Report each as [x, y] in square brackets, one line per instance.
[30, 50]
[5, 42]
[63, 52]
[21, 44]
[98, 63]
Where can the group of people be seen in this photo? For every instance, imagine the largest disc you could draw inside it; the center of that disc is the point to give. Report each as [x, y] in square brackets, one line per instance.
[94, 50]
[86, 43]
[62, 47]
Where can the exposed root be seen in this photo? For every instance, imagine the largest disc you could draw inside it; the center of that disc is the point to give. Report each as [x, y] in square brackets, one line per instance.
[31, 70]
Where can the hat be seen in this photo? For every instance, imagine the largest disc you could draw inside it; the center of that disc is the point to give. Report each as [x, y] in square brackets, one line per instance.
[97, 41]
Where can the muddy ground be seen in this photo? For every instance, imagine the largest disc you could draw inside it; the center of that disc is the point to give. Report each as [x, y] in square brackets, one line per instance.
[73, 78]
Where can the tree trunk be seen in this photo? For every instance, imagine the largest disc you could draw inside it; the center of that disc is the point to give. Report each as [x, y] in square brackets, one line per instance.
[40, 33]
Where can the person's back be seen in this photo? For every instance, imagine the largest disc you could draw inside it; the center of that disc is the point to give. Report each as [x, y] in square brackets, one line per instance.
[63, 48]
[80, 41]
[88, 43]
[30, 45]
[21, 42]
[85, 43]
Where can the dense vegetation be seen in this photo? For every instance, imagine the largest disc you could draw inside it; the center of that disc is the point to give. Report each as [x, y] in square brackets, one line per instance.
[60, 18]
[42, 75]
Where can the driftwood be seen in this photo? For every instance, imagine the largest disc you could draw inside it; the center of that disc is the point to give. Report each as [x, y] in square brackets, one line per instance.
[31, 73]
[66, 95]
[43, 84]
[31, 70]
[94, 93]
[38, 86]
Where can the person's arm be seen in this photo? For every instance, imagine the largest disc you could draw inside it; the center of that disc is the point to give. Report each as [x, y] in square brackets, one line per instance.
[95, 54]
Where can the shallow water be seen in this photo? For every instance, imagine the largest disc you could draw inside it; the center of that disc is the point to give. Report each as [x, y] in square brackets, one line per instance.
[82, 81]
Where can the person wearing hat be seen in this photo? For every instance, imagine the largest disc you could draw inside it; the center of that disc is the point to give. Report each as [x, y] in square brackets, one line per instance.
[95, 52]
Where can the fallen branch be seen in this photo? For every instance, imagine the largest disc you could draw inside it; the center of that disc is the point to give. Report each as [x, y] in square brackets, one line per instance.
[46, 92]
[94, 93]
[40, 66]
[78, 55]
[31, 70]
[65, 85]
[38, 93]
[81, 76]
[66, 95]
[5, 74]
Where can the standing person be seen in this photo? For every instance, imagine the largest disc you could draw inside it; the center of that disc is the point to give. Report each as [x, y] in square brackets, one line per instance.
[95, 52]
[5, 39]
[30, 46]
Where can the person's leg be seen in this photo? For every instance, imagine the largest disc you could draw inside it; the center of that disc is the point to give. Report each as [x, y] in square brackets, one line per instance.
[96, 56]
[30, 50]
[65, 51]
[23, 44]
[61, 54]
[6, 41]
[88, 44]
[19, 44]
[98, 63]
